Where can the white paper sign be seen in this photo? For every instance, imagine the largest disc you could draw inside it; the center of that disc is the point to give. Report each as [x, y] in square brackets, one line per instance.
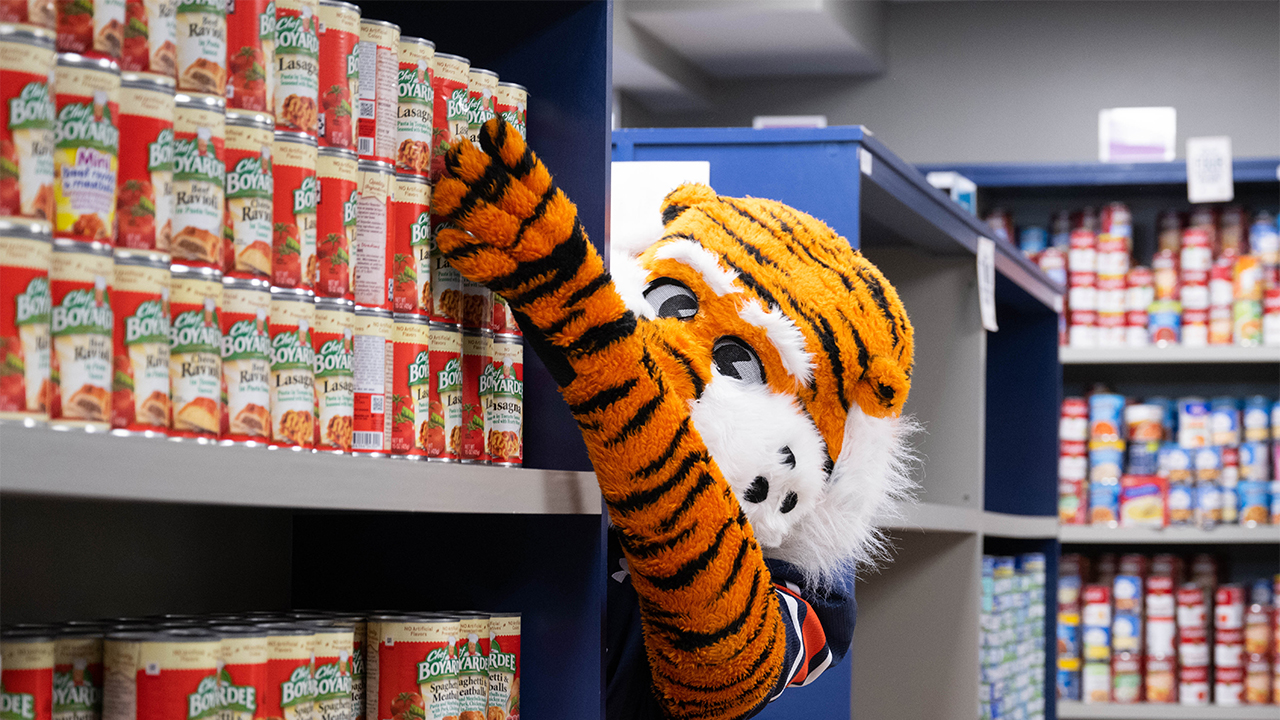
[1137, 134]
[1209, 170]
[987, 283]
[635, 200]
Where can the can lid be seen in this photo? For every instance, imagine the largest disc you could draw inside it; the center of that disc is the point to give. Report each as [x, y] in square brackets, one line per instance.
[28, 633]
[197, 100]
[295, 137]
[517, 86]
[363, 311]
[189, 634]
[495, 614]
[415, 617]
[411, 178]
[22, 227]
[482, 71]
[250, 118]
[477, 332]
[26, 34]
[291, 294]
[340, 4]
[208, 273]
[69, 59]
[68, 245]
[383, 23]
[451, 56]
[147, 81]
[145, 258]
[332, 303]
[412, 319]
[330, 624]
[340, 152]
[417, 41]
[450, 326]
[377, 166]
[238, 629]
[469, 613]
[285, 627]
[247, 283]
[509, 338]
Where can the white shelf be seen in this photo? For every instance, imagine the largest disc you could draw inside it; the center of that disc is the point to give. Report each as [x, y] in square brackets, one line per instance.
[996, 524]
[1147, 711]
[1168, 355]
[1222, 535]
[40, 462]
[935, 517]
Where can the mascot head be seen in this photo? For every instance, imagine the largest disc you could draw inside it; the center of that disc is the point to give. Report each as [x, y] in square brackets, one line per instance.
[795, 354]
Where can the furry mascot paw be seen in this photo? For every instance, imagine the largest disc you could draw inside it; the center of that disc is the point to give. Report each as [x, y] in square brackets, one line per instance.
[739, 385]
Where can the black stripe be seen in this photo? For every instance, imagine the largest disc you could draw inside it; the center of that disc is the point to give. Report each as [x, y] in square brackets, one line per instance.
[493, 143]
[603, 399]
[536, 215]
[644, 498]
[705, 480]
[640, 419]
[694, 377]
[685, 574]
[662, 460]
[832, 349]
[737, 566]
[671, 212]
[763, 656]
[563, 322]
[752, 284]
[601, 336]
[690, 640]
[464, 251]
[558, 266]
[752, 250]
[588, 290]
[882, 301]
[645, 549]
[793, 241]
[864, 356]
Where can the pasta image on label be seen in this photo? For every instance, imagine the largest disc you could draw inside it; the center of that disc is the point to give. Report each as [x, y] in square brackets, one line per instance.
[334, 342]
[502, 394]
[144, 205]
[297, 66]
[293, 398]
[475, 359]
[26, 123]
[199, 180]
[202, 46]
[415, 113]
[81, 324]
[150, 37]
[195, 352]
[246, 361]
[29, 12]
[140, 403]
[249, 194]
[86, 147]
[25, 386]
[91, 27]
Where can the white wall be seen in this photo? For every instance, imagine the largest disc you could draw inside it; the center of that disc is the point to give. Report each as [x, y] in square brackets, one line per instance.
[1023, 81]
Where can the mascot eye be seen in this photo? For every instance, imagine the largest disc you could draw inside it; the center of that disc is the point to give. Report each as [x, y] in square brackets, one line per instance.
[734, 358]
[670, 299]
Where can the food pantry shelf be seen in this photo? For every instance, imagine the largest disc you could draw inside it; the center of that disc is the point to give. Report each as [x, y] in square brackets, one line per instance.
[1171, 355]
[1146, 711]
[47, 463]
[1005, 525]
[934, 517]
[1222, 535]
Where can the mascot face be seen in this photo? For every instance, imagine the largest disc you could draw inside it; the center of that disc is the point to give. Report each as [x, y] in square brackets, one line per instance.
[794, 354]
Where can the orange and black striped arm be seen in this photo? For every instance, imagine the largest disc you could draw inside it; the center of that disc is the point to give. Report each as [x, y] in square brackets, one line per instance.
[712, 624]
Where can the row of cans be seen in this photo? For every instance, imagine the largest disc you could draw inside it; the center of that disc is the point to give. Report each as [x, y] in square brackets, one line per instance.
[1013, 651]
[125, 340]
[285, 665]
[225, 187]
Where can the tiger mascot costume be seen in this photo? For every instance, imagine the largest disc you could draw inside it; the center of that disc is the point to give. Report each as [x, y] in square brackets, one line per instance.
[739, 386]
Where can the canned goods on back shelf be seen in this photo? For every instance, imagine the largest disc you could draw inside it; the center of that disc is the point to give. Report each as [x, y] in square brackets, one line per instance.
[411, 218]
[86, 147]
[29, 12]
[150, 37]
[482, 86]
[77, 674]
[373, 245]
[504, 664]
[297, 69]
[243, 653]
[250, 141]
[246, 361]
[251, 42]
[379, 95]
[26, 671]
[451, 103]
[293, 260]
[411, 387]
[81, 324]
[140, 289]
[91, 27]
[476, 347]
[293, 397]
[416, 657]
[372, 367]
[416, 106]
[27, 121]
[473, 664]
[512, 104]
[202, 46]
[333, 678]
[444, 427]
[290, 689]
[502, 395]
[195, 352]
[339, 73]
[170, 672]
[332, 338]
[338, 180]
[199, 179]
[144, 204]
[25, 250]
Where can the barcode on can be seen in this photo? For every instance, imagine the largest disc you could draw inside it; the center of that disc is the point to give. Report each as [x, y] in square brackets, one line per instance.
[367, 109]
[366, 440]
[375, 404]
[365, 146]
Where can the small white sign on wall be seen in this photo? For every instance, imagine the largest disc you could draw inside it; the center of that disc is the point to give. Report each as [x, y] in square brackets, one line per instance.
[635, 200]
[1137, 134]
[1209, 176]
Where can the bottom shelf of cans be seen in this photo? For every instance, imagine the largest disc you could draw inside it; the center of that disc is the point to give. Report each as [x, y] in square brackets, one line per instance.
[287, 665]
[1013, 629]
[1138, 629]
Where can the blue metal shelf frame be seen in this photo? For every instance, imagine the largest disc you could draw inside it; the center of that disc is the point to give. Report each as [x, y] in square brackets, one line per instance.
[1008, 175]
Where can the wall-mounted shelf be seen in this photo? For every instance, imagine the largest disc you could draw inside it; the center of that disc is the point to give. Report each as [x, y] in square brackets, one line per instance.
[1146, 711]
[1072, 174]
[1222, 535]
[1173, 354]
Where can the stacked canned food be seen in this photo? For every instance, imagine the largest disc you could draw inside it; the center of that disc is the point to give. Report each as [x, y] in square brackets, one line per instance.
[285, 665]
[1013, 625]
[1135, 629]
[1161, 462]
[227, 269]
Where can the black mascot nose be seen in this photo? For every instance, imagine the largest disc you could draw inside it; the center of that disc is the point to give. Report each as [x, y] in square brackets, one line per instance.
[788, 457]
[758, 491]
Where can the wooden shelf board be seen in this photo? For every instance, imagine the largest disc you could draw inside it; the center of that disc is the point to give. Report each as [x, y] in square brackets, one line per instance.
[1222, 535]
[47, 463]
[1174, 354]
[1146, 711]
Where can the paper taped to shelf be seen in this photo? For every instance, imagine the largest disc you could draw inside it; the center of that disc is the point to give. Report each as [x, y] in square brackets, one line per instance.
[987, 283]
[1209, 170]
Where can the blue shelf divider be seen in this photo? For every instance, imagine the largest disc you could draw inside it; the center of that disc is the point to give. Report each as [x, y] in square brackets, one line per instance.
[1008, 175]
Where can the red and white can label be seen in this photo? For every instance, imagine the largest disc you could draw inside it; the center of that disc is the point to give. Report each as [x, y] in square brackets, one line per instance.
[27, 679]
[502, 395]
[202, 46]
[446, 288]
[338, 180]
[195, 354]
[140, 399]
[450, 106]
[411, 214]
[411, 383]
[199, 180]
[244, 675]
[250, 186]
[77, 677]
[416, 107]
[372, 367]
[335, 381]
[482, 89]
[512, 104]
[417, 669]
[91, 27]
[144, 206]
[26, 124]
[379, 96]
[293, 399]
[246, 362]
[504, 663]
[25, 387]
[504, 321]
[290, 690]
[150, 37]
[293, 261]
[81, 324]
[297, 67]
[86, 150]
[444, 426]
[251, 41]
[475, 359]
[373, 242]
[29, 12]
[477, 305]
[339, 75]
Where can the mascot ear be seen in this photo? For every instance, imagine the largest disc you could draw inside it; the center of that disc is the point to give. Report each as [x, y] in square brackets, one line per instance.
[684, 197]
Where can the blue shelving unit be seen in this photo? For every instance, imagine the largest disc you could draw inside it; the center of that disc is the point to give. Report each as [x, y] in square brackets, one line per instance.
[1060, 175]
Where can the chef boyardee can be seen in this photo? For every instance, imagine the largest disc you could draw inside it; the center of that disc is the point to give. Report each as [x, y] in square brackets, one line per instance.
[339, 73]
[338, 180]
[504, 664]
[502, 395]
[372, 366]
[150, 37]
[378, 99]
[91, 27]
[414, 660]
[77, 674]
[297, 66]
[473, 664]
[374, 245]
[293, 262]
[332, 646]
[444, 424]
[414, 118]
[144, 206]
[482, 87]
[26, 672]
[81, 323]
[243, 652]
[246, 361]
[172, 672]
[86, 148]
[512, 104]
[195, 352]
[251, 42]
[199, 179]
[25, 385]
[250, 186]
[411, 230]
[140, 402]
[446, 287]
[29, 12]
[476, 347]
[450, 106]
[202, 46]
[290, 688]
[293, 397]
[333, 339]
[410, 394]
[26, 121]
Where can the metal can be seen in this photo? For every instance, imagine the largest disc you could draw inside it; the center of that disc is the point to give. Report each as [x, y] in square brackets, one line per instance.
[444, 427]
[195, 352]
[290, 686]
[140, 290]
[411, 217]
[446, 287]
[296, 74]
[331, 648]
[451, 103]
[415, 656]
[512, 104]
[339, 73]
[482, 88]
[338, 180]
[171, 672]
[86, 147]
[502, 395]
[249, 148]
[372, 367]
[476, 347]
[335, 380]
[92, 27]
[293, 399]
[25, 387]
[29, 12]
[144, 203]
[358, 658]
[373, 246]
[202, 46]
[243, 652]
[150, 37]
[416, 106]
[251, 43]
[1255, 420]
[411, 387]
[504, 320]
[26, 671]
[77, 675]
[477, 306]
[26, 121]
[504, 664]
[246, 361]
[293, 261]
[379, 96]
[81, 324]
[199, 179]
[473, 664]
